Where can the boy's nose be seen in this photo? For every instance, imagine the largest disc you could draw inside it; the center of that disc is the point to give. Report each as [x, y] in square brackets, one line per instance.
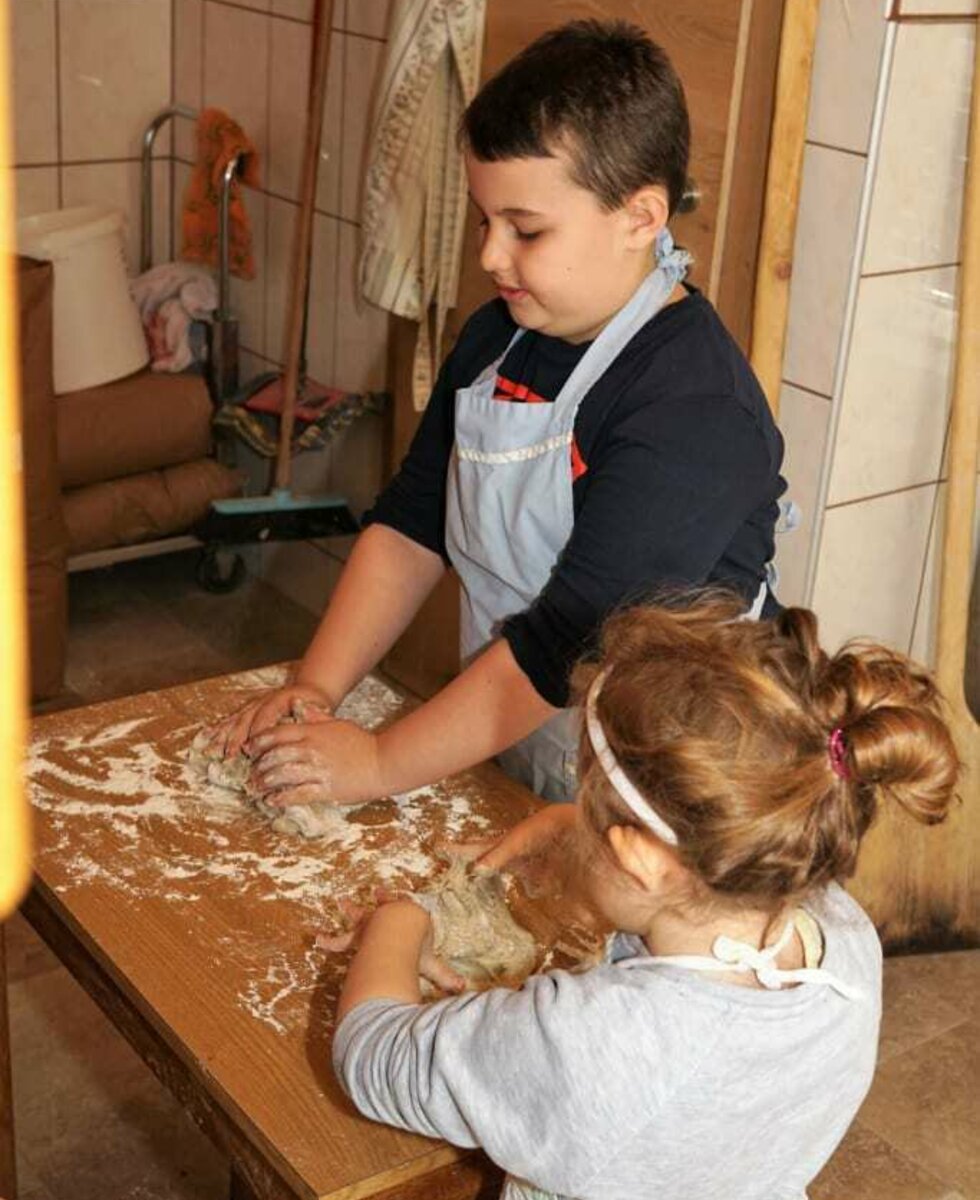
[493, 253]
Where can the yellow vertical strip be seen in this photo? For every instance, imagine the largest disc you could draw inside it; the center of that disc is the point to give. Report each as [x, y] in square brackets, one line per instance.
[14, 827]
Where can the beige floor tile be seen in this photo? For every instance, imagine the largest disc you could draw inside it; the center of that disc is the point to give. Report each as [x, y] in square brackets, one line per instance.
[867, 1168]
[925, 1102]
[925, 995]
[91, 1120]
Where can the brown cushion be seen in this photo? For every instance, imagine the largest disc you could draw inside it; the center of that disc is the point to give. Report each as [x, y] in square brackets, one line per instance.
[45, 534]
[141, 423]
[142, 507]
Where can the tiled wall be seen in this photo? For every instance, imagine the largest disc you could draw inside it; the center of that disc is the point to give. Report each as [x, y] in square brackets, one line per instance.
[867, 376]
[88, 76]
[251, 57]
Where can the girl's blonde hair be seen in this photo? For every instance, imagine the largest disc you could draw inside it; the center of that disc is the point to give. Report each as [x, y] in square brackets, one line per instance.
[725, 726]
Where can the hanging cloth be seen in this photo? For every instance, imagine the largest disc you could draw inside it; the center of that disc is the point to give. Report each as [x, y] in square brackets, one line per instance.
[219, 139]
[414, 203]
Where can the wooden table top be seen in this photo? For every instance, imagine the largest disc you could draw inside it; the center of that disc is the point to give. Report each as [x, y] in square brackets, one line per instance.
[204, 918]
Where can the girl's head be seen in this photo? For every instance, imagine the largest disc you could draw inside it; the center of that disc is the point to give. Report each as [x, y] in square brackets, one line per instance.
[765, 757]
[576, 155]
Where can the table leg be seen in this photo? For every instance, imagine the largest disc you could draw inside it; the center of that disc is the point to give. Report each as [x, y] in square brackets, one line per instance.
[239, 1187]
[8, 1169]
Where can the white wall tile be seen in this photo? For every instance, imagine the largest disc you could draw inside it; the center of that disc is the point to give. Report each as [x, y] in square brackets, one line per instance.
[118, 185]
[32, 53]
[896, 394]
[248, 295]
[370, 17]
[822, 262]
[328, 173]
[362, 68]
[236, 69]
[36, 190]
[356, 462]
[282, 224]
[923, 647]
[803, 419]
[302, 10]
[850, 36]
[871, 561]
[115, 76]
[322, 344]
[915, 208]
[362, 329]
[188, 69]
[288, 89]
[937, 8]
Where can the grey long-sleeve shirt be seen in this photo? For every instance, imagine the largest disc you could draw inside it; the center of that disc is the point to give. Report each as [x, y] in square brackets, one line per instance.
[634, 1079]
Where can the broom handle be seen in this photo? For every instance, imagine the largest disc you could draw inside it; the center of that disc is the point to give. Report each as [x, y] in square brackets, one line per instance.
[302, 239]
[964, 431]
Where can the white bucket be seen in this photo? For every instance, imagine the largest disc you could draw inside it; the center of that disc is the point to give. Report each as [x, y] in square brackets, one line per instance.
[98, 335]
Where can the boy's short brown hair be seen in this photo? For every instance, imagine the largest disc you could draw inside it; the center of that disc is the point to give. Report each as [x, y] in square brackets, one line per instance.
[601, 91]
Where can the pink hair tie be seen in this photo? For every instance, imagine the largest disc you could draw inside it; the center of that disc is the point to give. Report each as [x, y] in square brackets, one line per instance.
[838, 754]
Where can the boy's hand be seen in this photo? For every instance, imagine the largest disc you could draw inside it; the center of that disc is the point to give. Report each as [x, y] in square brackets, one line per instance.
[326, 762]
[229, 735]
[530, 836]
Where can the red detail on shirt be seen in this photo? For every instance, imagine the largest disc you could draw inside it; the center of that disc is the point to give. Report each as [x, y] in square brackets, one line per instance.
[506, 389]
[579, 465]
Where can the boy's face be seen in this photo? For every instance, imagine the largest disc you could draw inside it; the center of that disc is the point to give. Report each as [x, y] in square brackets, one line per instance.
[563, 264]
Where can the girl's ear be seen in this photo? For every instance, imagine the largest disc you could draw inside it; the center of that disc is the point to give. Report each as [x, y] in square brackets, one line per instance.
[642, 856]
[647, 210]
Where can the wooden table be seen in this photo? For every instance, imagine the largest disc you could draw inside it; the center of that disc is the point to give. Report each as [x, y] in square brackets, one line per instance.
[191, 923]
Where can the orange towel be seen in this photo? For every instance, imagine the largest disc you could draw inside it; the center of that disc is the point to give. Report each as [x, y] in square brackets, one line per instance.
[218, 139]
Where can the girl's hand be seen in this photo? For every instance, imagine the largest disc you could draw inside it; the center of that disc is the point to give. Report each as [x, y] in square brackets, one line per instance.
[327, 762]
[530, 836]
[394, 944]
[301, 700]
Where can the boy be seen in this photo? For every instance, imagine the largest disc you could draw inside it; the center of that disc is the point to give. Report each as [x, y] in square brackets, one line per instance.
[595, 435]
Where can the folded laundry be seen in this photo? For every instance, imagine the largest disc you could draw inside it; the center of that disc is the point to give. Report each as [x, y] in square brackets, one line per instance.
[170, 298]
[313, 427]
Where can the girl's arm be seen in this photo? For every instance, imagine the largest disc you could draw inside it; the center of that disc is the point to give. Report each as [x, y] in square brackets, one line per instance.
[382, 587]
[487, 708]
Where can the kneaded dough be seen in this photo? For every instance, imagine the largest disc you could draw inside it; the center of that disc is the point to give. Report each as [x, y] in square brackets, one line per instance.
[473, 930]
[306, 820]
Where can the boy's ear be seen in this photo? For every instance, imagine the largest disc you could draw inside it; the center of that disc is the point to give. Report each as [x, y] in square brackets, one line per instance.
[647, 210]
[642, 856]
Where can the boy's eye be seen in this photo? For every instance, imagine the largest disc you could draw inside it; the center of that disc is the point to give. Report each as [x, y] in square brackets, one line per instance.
[526, 236]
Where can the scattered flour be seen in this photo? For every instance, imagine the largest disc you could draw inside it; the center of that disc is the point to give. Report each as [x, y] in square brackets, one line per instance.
[120, 808]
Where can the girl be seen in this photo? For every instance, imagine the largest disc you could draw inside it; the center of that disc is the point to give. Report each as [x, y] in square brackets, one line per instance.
[729, 772]
[594, 435]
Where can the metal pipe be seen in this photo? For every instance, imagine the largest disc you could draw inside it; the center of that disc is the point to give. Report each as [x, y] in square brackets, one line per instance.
[146, 198]
[225, 200]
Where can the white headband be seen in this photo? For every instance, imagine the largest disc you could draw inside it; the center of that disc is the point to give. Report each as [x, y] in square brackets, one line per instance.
[627, 791]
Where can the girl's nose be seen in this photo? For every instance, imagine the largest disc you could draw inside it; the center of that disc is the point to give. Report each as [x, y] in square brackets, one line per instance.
[493, 252]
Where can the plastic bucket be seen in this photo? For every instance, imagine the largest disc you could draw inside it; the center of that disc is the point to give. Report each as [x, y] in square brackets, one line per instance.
[98, 335]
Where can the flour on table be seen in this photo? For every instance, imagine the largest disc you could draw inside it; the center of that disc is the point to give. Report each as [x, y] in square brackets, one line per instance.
[473, 930]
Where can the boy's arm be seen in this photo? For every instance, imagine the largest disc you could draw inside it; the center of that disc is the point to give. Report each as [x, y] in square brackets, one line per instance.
[381, 588]
[487, 708]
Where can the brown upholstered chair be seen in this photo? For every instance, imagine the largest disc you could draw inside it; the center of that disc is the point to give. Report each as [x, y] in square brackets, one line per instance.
[121, 465]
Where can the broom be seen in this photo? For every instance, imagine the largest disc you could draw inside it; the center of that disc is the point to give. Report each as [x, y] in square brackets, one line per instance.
[281, 514]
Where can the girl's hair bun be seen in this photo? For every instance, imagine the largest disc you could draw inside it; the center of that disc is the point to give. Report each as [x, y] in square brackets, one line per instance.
[768, 757]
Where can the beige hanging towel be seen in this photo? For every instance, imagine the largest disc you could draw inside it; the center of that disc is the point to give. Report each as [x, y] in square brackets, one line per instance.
[415, 187]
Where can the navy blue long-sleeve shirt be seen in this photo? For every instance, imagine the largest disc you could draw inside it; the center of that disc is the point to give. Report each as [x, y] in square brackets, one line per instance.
[675, 469]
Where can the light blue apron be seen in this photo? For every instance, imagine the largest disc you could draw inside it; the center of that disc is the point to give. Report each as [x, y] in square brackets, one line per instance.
[509, 511]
